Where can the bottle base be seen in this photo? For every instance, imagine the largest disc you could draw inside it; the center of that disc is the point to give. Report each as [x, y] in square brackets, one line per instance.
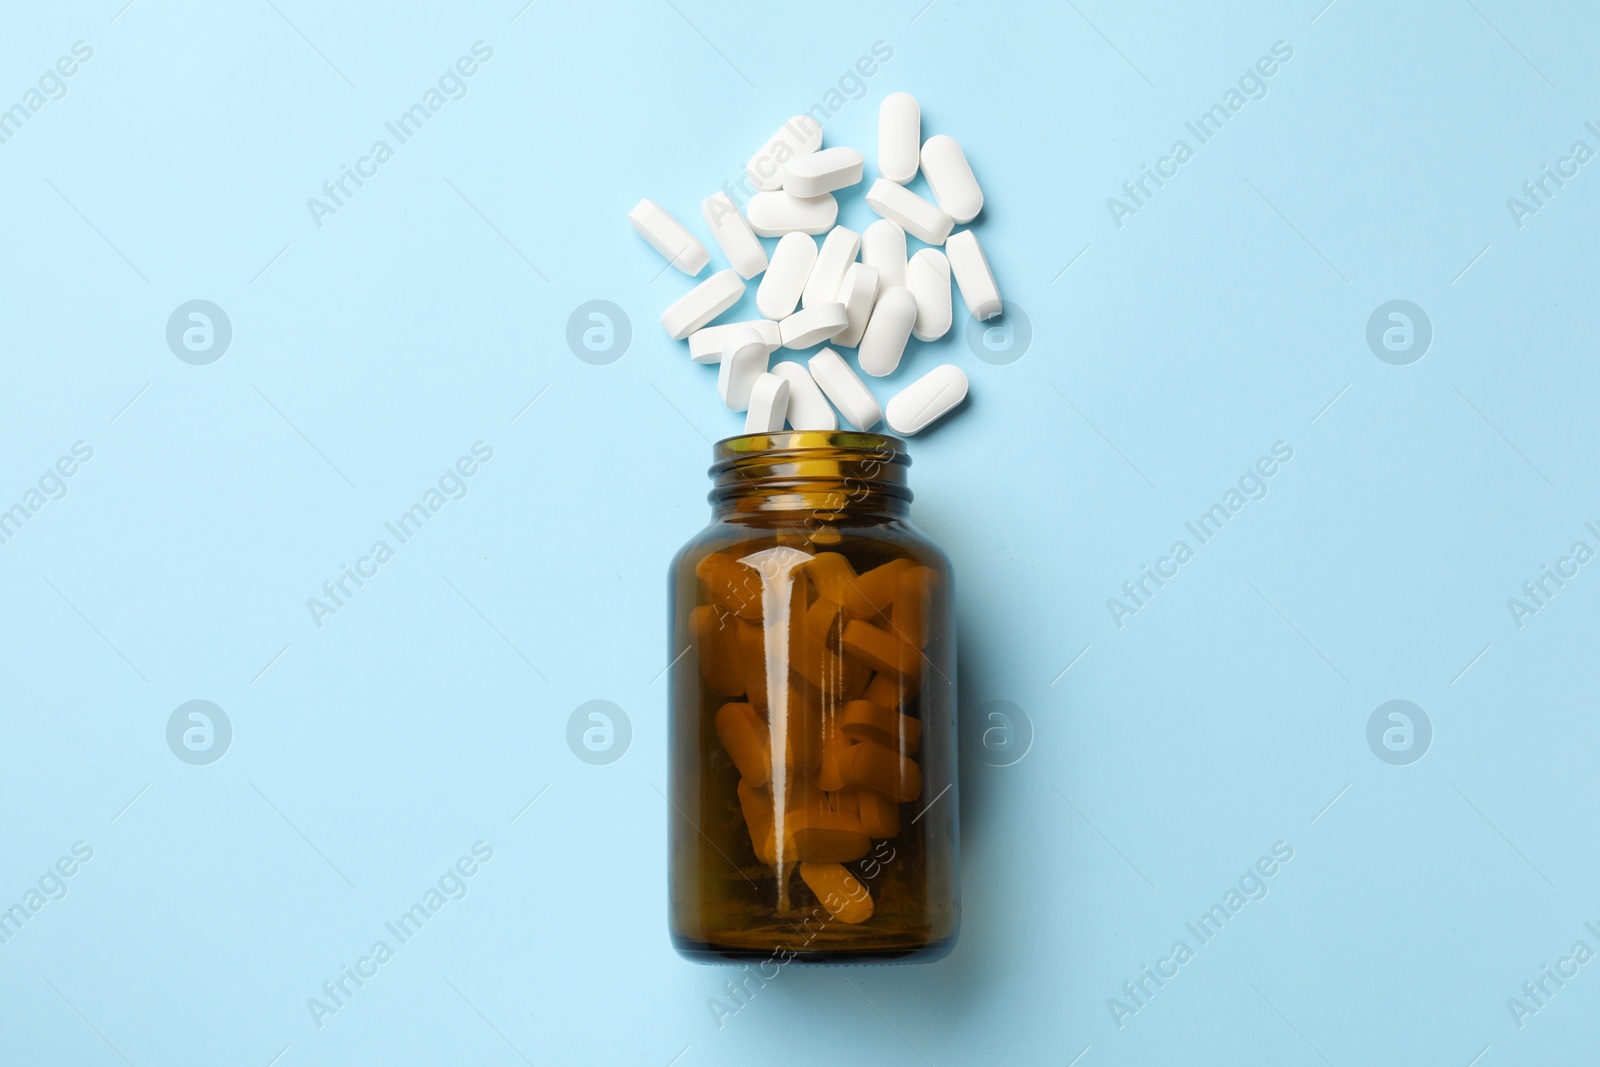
[721, 953]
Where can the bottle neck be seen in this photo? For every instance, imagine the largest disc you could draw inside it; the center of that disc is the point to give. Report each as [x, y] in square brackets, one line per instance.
[826, 476]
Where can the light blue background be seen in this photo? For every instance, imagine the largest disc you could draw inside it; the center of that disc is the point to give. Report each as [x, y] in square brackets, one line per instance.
[1230, 713]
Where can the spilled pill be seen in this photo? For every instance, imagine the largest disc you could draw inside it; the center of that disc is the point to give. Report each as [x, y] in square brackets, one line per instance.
[838, 251]
[786, 275]
[733, 235]
[815, 173]
[950, 178]
[669, 237]
[971, 269]
[706, 343]
[774, 214]
[848, 393]
[926, 399]
[857, 293]
[812, 325]
[703, 303]
[922, 220]
[899, 134]
[796, 137]
[883, 245]
[888, 330]
[769, 404]
[928, 278]
[744, 359]
[808, 408]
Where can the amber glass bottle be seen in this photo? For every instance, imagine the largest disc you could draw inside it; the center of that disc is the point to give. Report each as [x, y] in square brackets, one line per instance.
[812, 733]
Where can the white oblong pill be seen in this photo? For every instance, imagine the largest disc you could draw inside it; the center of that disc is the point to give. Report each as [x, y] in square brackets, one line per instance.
[971, 269]
[922, 220]
[928, 278]
[813, 325]
[669, 237]
[775, 214]
[734, 236]
[769, 404]
[815, 173]
[744, 359]
[703, 303]
[808, 408]
[899, 135]
[950, 178]
[838, 251]
[848, 392]
[926, 399]
[705, 344]
[786, 275]
[857, 294]
[796, 137]
[883, 245]
[888, 330]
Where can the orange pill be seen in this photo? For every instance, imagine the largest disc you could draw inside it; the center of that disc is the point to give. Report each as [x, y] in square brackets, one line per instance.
[839, 891]
[834, 743]
[835, 579]
[913, 605]
[716, 644]
[755, 803]
[879, 649]
[826, 829]
[877, 586]
[824, 620]
[745, 736]
[880, 816]
[865, 721]
[883, 770]
[816, 663]
[732, 584]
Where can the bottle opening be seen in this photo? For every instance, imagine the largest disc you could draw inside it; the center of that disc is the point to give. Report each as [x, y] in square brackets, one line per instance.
[830, 472]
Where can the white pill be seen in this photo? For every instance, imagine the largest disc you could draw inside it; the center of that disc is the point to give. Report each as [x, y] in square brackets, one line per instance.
[848, 392]
[744, 359]
[786, 275]
[796, 137]
[976, 280]
[813, 325]
[668, 236]
[950, 178]
[928, 278]
[922, 220]
[857, 294]
[884, 341]
[703, 303]
[808, 408]
[769, 404]
[926, 399]
[899, 134]
[775, 214]
[838, 251]
[883, 245]
[821, 172]
[734, 236]
[705, 344]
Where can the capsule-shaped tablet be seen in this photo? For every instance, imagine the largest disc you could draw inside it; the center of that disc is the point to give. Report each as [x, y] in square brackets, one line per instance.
[928, 278]
[912, 616]
[701, 304]
[877, 586]
[798, 136]
[862, 720]
[816, 663]
[839, 891]
[838, 251]
[836, 580]
[922, 220]
[950, 178]
[815, 173]
[786, 275]
[883, 770]
[899, 135]
[775, 214]
[971, 269]
[755, 804]
[808, 408]
[769, 404]
[849, 394]
[812, 325]
[880, 816]
[926, 399]
[877, 648]
[888, 330]
[716, 645]
[883, 245]
[743, 361]
[733, 235]
[826, 843]
[733, 586]
[669, 237]
[888, 689]
[744, 735]
[857, 293]
[706, 344]
[823, 621]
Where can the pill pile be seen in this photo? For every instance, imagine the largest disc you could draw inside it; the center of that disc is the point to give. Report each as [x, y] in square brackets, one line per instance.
[849, 648]
[853, 290]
